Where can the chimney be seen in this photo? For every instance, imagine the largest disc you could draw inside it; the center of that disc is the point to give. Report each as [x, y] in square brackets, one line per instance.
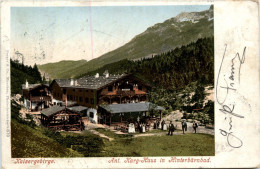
[97, 75]
[106, 74]
[71, 82]
[26, 84]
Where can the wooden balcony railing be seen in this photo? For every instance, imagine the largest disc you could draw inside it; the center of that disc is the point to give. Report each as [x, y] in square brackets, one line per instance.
[129, 92]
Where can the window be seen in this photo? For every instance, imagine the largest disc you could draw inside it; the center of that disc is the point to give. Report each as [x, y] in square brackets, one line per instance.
[86, 100]
[110, 88]
[140, 88]
[80, 99]
[92, 101]
[91, 114]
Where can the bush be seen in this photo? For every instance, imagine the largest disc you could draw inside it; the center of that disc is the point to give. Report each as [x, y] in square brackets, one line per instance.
[55, 135]
[15, 114]
[89, 145]
[209, 110]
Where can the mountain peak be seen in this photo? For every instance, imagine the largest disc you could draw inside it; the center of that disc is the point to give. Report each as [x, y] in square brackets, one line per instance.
[162, 37]
[193, 16]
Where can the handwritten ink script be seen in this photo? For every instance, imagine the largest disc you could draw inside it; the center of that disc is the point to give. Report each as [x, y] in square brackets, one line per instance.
[227, 86]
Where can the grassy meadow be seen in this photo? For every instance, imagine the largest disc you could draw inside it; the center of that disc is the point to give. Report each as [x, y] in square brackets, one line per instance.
[28, 142]
[188, 144]
[34, 142]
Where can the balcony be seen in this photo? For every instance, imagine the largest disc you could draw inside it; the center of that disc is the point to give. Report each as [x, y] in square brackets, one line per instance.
[128, 92]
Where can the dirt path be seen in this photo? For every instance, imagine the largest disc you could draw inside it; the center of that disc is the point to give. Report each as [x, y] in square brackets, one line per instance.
[209, 131]
[156, 134]
[177, 115]
[101, 135]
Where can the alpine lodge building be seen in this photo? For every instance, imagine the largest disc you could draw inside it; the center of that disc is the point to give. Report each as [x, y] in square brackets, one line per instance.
[106, 99]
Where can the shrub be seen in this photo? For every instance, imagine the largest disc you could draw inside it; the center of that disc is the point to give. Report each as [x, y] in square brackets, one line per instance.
[89, 145]
[15, 114]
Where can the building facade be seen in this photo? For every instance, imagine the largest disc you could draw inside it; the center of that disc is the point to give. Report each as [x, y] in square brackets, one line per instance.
[36, 96]
[92, 91]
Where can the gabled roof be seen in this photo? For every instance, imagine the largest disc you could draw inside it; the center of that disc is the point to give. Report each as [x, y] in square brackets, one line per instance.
[89, 82]
[52, 110]
[130, 107]
[31, 86]
[56, 109]
[69, 103]
[92, 82]
[78, 108]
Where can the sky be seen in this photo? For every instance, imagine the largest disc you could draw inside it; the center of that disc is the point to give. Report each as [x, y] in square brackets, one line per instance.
[52, 34]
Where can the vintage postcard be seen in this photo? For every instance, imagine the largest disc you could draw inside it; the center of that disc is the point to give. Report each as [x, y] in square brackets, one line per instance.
[130, 84]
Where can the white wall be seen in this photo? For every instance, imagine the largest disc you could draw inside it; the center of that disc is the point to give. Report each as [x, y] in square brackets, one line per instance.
[27, 104]
[95, 118]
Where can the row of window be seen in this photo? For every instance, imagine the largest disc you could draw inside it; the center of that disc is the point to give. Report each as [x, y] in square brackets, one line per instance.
[80, 99]
[110, 88]
[75, 98]
[80, 90]
[56, 94]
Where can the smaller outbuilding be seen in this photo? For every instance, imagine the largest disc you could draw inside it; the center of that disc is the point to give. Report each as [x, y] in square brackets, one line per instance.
[63, 118]
[120, 113]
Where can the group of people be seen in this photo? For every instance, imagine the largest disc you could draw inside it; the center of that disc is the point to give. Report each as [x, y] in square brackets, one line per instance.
[184, 126]
[142, 127]
[160, 125]
[172, 128]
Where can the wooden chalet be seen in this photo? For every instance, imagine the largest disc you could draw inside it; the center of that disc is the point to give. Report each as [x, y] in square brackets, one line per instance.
[36, 96]
[92, 91]
[62, 118]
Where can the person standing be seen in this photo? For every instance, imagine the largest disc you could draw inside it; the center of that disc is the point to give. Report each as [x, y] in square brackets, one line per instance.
[184, 126]
[155, 125]
[160, 125]
[140, 127]
[143, 128]
[164, 126]
[163, 123]
[171, 128]
[195, 126]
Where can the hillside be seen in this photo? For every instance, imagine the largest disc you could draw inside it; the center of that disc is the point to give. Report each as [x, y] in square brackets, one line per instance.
[20, 73]
[190, 63]
[59, 68]
[28, 142]
[162, 37]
